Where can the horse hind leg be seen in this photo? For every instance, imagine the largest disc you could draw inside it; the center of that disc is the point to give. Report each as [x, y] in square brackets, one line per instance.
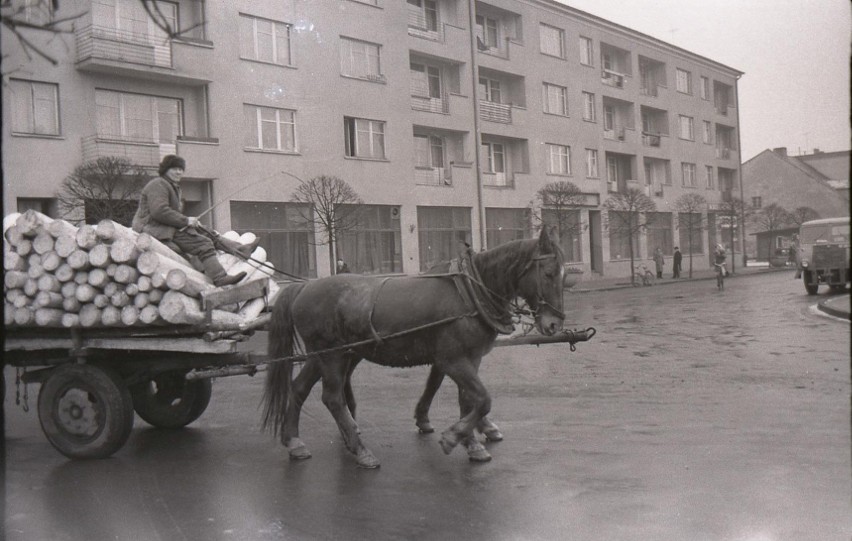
[333, 382]
[421, 411]
[491, 431]
[301, 388]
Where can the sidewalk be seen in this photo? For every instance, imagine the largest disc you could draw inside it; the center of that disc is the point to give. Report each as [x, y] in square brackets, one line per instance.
[837, 306]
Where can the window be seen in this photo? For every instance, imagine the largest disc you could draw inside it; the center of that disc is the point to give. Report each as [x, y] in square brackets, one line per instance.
[505, 225]
[486, 32]
[268, 128]
[687, 128]
[688, 174]
[42, 205]
[137, 117]
[609, 117]
[659, 228]
[38, 12]
[489, 90]
[364, 138]
[555, 99]
[495, 158]
[756, 202]
[360, 59]
[586, 51]
[708, 176]
[559, 159]
[425, 81]
[592, 163]
[570, 230]
[286, 230]
[429, 160]
[552, 40]
[373, 245]
[704, 91]
[35, 107]
[423, 14]
[689, 227]
[264, 40]
[707, 134]
[622, 226]
[589, 107]
[439, 232]
[684, 81]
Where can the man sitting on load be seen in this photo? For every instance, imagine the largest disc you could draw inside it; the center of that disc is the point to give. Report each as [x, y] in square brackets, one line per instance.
[160, 214]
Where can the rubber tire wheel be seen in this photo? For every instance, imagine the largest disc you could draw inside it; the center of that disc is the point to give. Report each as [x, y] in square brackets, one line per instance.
[170, 401]
[85, 411]
[811, 289]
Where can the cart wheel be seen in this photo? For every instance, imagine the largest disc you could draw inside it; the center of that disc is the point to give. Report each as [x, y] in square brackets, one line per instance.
[170, 401]
[85, 411]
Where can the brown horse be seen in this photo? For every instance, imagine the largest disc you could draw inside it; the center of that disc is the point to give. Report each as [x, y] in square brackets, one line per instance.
[404, 321]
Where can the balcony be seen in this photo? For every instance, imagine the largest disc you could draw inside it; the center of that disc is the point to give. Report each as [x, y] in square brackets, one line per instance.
[615, 134]
[654, 191]
[420, 26]
[727, 196]
[612, 78]
[495, 112]
[499, 180]
[140, 55]
[723, 153]
[651, 139]
[649, 91]
[430, 104]
[433, 176]
[722, 110]
[142, 152]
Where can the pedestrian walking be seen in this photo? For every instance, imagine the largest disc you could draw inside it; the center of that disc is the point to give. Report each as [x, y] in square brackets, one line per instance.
[676, 263]
[342, 267]
[659, 261]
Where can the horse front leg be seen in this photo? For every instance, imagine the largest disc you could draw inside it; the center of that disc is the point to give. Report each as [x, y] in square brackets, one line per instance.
[473, 399]
[476, 452]
[334, 374]
[421, 411]
[300, 389]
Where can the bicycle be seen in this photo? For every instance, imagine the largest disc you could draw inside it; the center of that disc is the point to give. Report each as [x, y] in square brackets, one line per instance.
[645, 276]
[720, 275]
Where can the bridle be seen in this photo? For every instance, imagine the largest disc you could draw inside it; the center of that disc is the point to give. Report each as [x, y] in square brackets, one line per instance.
[540, 300]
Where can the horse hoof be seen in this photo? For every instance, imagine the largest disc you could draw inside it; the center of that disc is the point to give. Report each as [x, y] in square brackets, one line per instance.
[367, 460]
[425, 427]
[448, 442]
[493, 435]
[298, 451]
[476, 452]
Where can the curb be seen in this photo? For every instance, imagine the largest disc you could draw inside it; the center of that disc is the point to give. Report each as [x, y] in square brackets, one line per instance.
[825, 306]
[592, 289]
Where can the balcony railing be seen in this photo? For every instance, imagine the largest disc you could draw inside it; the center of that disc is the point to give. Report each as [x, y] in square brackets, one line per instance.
[612, 78]
[649, 91]
[727, 196]
[123, 46]
[651, 139]
[433, 176]
[495, 112]
[615, 134]
[419, 26]
[722, 110]
[723, 153]
[430, 104]
[496, 179]
[142, 152]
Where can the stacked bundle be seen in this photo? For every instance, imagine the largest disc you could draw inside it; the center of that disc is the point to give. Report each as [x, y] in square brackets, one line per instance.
[60, 275]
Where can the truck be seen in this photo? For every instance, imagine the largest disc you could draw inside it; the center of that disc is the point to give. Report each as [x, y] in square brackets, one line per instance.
[823, 254]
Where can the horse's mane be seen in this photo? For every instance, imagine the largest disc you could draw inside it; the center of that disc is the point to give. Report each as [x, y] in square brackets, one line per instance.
[501, 267]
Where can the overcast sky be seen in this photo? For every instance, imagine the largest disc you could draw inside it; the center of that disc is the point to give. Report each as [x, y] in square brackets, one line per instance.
[795, 55]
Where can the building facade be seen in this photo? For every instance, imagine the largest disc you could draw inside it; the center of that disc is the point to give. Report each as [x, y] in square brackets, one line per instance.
[819, 180]
[445, 116]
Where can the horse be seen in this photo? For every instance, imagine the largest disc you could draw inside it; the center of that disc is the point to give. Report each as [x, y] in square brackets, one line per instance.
[404, 321]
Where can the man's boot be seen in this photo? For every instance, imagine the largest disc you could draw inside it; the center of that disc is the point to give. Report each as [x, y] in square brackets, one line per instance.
[216, 272]
[233, 247]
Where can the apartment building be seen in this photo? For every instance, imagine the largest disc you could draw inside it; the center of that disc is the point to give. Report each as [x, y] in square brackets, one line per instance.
[445, 116]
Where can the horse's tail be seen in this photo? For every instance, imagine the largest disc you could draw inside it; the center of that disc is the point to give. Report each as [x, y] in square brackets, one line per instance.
[279, 374]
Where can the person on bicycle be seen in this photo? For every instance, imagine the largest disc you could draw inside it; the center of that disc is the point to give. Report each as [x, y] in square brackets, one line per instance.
[719, 258]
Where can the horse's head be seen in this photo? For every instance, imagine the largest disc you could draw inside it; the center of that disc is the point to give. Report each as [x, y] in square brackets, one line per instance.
[541, 284]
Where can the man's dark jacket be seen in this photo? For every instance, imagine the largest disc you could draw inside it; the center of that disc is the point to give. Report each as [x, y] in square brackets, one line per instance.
[159, 212]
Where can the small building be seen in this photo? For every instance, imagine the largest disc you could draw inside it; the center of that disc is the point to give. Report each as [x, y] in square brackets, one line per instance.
[819, 181]
[774, 244]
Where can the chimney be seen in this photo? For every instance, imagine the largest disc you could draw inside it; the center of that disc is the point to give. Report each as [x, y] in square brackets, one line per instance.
[781, 151]
[817, 151]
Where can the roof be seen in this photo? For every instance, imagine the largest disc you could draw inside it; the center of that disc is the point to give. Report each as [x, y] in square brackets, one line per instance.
[841, 220]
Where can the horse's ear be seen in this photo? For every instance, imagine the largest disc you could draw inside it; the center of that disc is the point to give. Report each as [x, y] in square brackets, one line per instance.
[545, 243]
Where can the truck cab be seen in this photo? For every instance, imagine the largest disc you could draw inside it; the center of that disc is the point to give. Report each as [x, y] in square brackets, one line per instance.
[823, 254]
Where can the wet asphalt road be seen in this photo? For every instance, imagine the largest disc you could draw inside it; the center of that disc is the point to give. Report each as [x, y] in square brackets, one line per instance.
[692, 415]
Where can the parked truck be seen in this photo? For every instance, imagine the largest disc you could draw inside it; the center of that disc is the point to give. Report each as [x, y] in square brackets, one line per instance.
[823, 254]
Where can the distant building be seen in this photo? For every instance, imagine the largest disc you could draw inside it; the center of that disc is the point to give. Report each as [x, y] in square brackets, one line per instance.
[445, 122]
[819, 181]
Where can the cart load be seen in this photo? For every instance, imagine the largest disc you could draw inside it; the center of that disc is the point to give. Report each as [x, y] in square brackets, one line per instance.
[107, 275]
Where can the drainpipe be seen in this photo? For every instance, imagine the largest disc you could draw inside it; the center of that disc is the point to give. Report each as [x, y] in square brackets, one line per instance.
[477, 136]
[740, 172]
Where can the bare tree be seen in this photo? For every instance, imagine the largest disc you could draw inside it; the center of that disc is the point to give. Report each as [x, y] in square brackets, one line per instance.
[733, 213]
[691, 208]
[803, 214]
[772, 218]
[624, 218]
[333, 207]
[563, 198]
[108, 187]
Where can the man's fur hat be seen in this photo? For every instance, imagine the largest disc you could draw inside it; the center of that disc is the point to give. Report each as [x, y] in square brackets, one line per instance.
[170, 161]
